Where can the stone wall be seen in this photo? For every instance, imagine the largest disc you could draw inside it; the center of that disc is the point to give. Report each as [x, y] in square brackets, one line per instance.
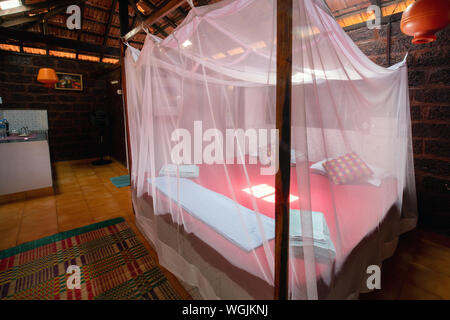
[429, 88]
[115, 106]
[71, 136]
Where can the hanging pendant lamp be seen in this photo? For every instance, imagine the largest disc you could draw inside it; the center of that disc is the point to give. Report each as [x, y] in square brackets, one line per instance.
[425, 17]
[48, 77]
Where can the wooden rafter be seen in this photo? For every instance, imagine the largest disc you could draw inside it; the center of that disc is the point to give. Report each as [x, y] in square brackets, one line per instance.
[133, 23]
[182, 11]
[25, 9]
[44, 33]
[59, 27]
[376, 2]
[175, 21]
[112, 12]
[19, 35]
[141, 17]
[40, 17]
[384, 20]
[166, 18]
[202, 2]
[80, 32]
[163, 10]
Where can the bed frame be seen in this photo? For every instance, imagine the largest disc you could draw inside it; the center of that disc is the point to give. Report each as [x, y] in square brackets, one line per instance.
[225, 279]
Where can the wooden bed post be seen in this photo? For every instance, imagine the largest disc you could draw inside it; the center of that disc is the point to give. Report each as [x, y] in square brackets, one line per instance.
[124, 29]
[283, 124]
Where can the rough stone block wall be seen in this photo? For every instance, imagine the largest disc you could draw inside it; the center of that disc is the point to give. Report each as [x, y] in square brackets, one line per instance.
[429, 91]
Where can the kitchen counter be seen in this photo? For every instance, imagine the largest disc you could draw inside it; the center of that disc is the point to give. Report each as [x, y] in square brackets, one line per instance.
[25, 164]
[35, 136]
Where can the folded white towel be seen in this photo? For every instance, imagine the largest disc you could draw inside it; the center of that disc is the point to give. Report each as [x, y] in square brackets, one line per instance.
[184, 171]
[324, 247]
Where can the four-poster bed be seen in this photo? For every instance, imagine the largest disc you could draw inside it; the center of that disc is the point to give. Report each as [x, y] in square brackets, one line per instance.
[344, 189]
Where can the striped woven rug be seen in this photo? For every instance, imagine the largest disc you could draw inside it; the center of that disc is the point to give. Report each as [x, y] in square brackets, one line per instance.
[113, 264]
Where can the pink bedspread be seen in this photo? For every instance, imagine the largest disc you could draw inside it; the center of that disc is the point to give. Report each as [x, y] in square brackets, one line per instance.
[352, 211]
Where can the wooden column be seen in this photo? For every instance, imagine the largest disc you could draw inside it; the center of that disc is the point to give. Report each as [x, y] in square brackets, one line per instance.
[283, 124]
[124, 29]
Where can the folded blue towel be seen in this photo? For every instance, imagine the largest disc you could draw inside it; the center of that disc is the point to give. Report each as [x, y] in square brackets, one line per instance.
[122, 181]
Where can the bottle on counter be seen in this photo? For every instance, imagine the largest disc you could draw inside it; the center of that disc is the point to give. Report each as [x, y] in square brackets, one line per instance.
[2, 130]
[6, 123]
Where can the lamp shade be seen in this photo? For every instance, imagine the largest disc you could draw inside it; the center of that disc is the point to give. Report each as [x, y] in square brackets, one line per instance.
[425, 17]
[47, 76]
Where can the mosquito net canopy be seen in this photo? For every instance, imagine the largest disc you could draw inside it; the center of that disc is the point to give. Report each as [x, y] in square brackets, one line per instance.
[201, 113]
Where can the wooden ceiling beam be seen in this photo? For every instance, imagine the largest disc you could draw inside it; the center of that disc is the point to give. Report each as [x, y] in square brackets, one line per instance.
[182, 11]
[93, 7]
[159, 30]
[80, 32]
[18, 35]
[384, 20]
[112, 12]
[170, 22]
[166, 18]
[24, 9]
[37, 18]
[56, 26]
[338, 15]
[163, 10]
[20, 21]
[376, 2]
[141, 17]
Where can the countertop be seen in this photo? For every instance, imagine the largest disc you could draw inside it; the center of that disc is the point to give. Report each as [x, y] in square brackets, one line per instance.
[34, 136]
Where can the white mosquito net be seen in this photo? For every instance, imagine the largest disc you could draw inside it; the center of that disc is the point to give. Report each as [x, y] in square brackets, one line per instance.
[201, 112]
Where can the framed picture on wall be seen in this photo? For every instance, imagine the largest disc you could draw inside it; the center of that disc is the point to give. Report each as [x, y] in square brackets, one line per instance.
[69, 81]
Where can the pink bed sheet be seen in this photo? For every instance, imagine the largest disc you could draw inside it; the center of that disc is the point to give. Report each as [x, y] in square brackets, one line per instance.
[352, 212]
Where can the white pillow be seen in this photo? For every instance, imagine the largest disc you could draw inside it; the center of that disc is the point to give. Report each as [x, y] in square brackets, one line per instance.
[318, 167]
[296, 155]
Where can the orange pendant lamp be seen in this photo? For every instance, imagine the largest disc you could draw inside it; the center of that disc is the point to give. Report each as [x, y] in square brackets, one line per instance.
[423, 18]
[48, 77]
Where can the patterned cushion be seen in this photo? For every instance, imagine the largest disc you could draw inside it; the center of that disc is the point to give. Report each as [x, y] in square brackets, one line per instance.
[347, 168]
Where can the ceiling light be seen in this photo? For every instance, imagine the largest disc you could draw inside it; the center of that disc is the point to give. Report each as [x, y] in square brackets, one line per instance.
[306, 32]
[235, 51]
[258, 45]
[187, 43]
[143, 7]
[10, 4]
[219, 55]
